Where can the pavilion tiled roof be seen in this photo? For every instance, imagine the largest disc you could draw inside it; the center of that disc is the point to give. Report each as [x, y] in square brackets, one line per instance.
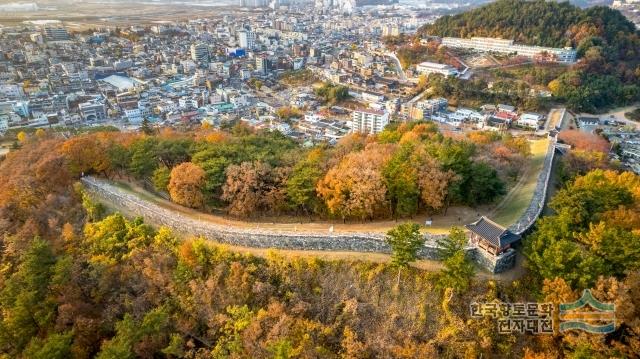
[493, 232]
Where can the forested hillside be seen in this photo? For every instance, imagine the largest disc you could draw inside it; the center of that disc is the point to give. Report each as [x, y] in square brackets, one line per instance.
[76, 282]
[407, 169]
[542, 23]
[608, 71]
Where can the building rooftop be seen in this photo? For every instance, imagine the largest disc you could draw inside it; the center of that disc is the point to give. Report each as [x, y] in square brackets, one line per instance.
[120, 82]
[370, 111]
[435, 65]
[493, 232]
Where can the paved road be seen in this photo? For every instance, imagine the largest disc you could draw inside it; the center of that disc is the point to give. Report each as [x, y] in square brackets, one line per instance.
[618, 115]
[401, 73]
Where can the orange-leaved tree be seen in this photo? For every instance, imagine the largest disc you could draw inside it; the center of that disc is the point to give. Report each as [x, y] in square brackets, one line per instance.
[186, 183]
[86, 154]
[355, 187]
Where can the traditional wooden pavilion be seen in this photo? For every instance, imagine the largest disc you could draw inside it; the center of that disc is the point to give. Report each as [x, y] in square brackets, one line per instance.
[491, 236]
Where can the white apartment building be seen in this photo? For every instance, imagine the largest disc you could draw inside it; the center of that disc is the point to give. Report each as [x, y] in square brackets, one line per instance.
[239, 100]
[122, 65]
[133, 114]
[246, 39]
[185, 102]
[363, 59]
[489, 44]
[199, 52]
[167, 106]
[245, 74]
[531, 120]
[433, 105]
[253, 3]
[145, 108]
[372, 97]
[427, 68]
[11, 90]
[470, 115]
[390, 30]
[369, 121]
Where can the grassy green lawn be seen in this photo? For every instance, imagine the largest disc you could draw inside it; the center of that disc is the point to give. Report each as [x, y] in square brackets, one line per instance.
[517, 200]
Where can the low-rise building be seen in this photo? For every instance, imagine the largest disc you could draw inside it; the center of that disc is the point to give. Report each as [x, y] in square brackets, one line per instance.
[93, 111]
[531, 120]
[490, 236]
[427, 68]
[488, 44]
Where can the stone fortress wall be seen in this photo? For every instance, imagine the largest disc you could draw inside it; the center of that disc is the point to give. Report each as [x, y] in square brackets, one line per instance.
[326, 241]
[536, 206]
[246, 237]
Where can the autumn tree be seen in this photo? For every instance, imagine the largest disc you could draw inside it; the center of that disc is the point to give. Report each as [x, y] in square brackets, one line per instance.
[114, 237]
[458, 269]
[301, 184]
[584, 141]
[130, 332]
[254, 186]
[40, 133]
[434, 183]
[352, 142]
[161, 178]
[144, 158]
[94, 209]
[355, 187]
[483, 137]
[287, 113]
[351, 346]
[401, 180]
[146, 127]
[405, 241]
[23, 294]
[593, 232]
[229, 342]
[186, 183]
[86, 154]
[22, 137]
[579, 162]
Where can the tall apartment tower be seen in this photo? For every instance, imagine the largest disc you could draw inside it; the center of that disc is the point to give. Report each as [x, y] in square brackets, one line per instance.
[199, 52]
[246, 39]
[263, 64]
